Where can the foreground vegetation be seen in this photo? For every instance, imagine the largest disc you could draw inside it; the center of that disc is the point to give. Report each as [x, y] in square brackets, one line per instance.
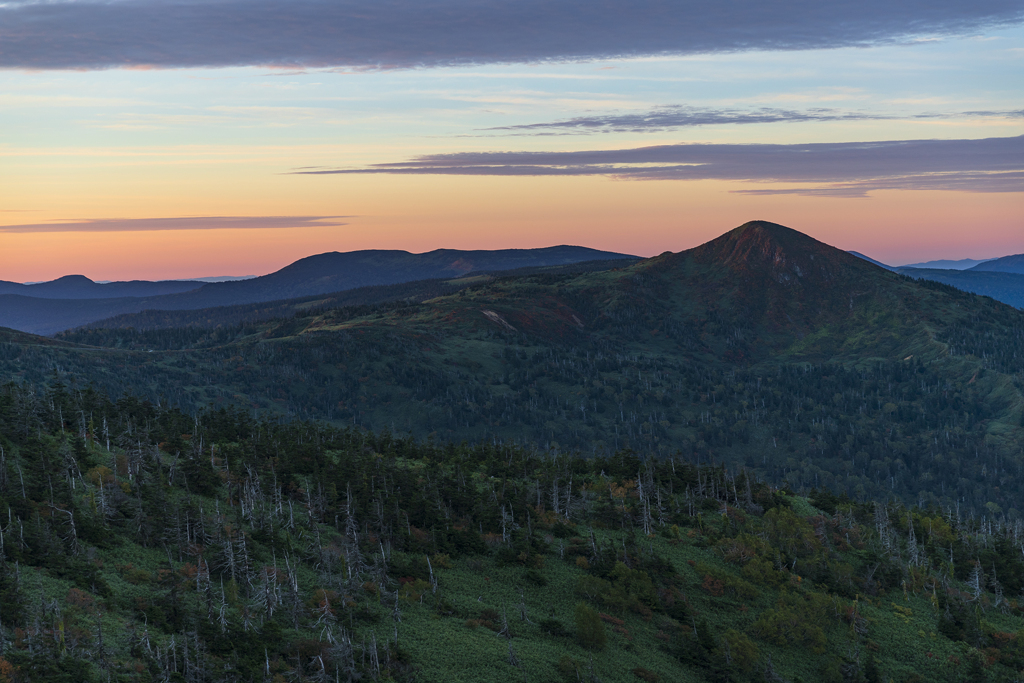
[143, 544]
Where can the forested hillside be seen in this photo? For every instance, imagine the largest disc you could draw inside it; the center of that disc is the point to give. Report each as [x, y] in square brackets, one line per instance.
[145, 544]
[763, 349]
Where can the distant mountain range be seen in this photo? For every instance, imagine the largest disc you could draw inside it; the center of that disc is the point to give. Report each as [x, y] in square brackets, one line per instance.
[366, 277]
[1001, 278]
[81, 287]
[943, 264]
[1005, 264]
[75, 300]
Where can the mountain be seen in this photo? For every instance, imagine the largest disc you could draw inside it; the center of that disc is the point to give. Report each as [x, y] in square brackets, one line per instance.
[81, 287]
[871, 260]
[797, 466]
[338, 271]
[1007, 287]
[763, 348]
[320, 274]
[947, 264]
[1006, 264]
[407, 292]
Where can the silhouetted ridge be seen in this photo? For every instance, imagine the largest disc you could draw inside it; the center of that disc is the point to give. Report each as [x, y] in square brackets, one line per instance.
[72, 280]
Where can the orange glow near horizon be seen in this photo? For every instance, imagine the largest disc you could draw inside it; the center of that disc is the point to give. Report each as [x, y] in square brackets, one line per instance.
[423, 213]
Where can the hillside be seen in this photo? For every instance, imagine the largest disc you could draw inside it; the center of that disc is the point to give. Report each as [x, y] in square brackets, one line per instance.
[143, 544]
[763, 348]
[1007, 287]
[311, 276]
[1006, 264]
[871, 260]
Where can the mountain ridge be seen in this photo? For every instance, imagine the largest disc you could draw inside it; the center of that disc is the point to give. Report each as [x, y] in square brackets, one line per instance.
[81, 287]
[1005, 264]
[313, 275]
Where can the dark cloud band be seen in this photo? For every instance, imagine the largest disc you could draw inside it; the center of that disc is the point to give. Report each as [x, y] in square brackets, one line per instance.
[183, 223]
[833, 169]
[411, 33]
[670, 117]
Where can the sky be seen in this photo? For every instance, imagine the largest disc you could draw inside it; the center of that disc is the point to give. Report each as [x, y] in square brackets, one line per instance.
[159, 139]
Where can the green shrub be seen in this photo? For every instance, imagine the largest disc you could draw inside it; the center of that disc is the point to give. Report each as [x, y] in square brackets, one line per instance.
[787, 625]
[535, 577]
[553, 627]
[741, 651]
[589, 627]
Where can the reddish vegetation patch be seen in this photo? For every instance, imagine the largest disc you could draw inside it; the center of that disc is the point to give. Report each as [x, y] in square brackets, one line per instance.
[713, 586]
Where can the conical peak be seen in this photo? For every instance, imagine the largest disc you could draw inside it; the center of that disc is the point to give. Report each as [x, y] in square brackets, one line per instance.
[760, 240]
[783, 254]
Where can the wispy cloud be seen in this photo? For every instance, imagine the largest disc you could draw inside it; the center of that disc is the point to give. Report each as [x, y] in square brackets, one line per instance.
[842, 169]
[381, 34]
[178, 223]
[671, 117]
[668, 117]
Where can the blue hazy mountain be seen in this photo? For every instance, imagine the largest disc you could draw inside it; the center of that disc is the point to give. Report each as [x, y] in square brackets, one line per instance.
[947, 264]
[1006, 264]
[22, 307]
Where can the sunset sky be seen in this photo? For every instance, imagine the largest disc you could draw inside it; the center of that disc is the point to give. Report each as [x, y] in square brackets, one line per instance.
[156, 139]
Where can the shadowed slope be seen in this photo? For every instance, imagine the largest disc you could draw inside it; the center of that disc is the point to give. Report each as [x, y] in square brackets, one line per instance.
[1006, 264]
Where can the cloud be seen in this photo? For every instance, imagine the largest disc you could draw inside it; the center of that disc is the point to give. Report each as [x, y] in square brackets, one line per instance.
[380, 34]
[842, 169]
[673, 116]
[180, 223]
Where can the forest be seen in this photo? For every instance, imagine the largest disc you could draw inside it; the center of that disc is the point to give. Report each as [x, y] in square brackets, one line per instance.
[143, 543]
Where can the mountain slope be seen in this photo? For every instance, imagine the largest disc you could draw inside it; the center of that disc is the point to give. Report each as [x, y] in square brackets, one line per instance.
[320, 274]
[871, 260]
[763, 348]
[1006, 287]
[1006, 264]
[18, 338]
